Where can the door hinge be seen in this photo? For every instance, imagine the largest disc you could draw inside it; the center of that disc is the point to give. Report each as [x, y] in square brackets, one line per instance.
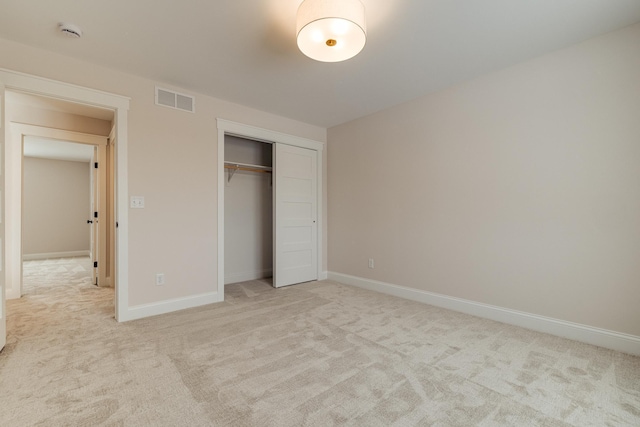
[95, 214]
[95, 165]
[95, 264]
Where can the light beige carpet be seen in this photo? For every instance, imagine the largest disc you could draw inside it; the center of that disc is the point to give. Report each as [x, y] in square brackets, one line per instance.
[317, 354]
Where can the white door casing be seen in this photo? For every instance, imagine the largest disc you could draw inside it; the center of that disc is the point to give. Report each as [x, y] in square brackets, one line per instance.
[295, 215]
[113, 209]
[3, 297]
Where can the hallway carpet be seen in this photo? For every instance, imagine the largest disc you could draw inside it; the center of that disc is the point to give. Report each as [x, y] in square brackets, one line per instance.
[317, 354]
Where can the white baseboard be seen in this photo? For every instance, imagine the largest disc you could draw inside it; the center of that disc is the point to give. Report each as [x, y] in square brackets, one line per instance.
[248, 275]
[601, 337]
[50, 255]
[323, 275]
[163, 307]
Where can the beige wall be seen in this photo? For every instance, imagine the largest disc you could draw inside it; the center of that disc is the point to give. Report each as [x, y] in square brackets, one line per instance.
[56, 205]
[172, 163]
[519, 189]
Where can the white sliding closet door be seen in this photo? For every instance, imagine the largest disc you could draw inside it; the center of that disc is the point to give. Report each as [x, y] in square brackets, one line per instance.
[295, 216]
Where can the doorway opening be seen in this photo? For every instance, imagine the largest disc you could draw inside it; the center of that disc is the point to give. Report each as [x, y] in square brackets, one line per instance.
[46, 138]
[10, 194]
[62, 194]
[248, 210]
[61, 181]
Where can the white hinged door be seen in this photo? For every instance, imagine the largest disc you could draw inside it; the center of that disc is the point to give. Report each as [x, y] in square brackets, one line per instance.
[98, 215]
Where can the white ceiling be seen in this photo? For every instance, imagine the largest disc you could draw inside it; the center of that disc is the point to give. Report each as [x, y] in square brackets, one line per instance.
[245, 51]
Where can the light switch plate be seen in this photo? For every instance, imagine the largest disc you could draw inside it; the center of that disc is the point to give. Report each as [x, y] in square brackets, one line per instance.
[137, 202]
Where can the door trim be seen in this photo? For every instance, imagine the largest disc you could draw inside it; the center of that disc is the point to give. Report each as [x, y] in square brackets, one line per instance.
[227, 127]
[13, 80]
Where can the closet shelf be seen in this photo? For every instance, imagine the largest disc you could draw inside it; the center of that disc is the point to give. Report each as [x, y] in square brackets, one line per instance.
[235, 166]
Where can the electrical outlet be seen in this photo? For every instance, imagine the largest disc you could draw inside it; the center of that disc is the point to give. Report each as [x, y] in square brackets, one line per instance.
[160, 279]
[371, 264]
[137, 202]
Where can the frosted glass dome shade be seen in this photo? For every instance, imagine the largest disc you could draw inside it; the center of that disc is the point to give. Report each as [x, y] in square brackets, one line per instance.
[331, 30]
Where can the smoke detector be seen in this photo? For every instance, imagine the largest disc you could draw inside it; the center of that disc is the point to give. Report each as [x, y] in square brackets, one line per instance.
[70, 30]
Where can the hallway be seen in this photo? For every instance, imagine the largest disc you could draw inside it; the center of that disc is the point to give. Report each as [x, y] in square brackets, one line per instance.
[57, 293]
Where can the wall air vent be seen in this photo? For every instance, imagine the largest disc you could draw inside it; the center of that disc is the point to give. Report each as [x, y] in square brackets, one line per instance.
[171, 99]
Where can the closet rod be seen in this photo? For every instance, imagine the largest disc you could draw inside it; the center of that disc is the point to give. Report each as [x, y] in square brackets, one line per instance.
[233, 167]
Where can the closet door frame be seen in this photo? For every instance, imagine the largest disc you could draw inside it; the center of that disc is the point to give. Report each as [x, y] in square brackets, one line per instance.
[226, 127]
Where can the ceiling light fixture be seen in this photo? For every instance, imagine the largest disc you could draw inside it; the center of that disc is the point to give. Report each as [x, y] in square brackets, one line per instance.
[331, 30]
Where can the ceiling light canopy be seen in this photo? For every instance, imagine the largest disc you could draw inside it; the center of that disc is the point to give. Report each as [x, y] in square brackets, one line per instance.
[331, 30]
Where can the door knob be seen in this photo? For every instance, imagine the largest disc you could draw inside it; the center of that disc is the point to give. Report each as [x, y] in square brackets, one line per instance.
[89, 221]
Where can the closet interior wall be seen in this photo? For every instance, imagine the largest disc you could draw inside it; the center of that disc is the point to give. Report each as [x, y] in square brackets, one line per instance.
[248, 212]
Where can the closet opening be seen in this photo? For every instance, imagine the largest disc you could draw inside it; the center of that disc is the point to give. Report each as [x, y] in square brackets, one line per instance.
[248, 210]
[273, 235]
